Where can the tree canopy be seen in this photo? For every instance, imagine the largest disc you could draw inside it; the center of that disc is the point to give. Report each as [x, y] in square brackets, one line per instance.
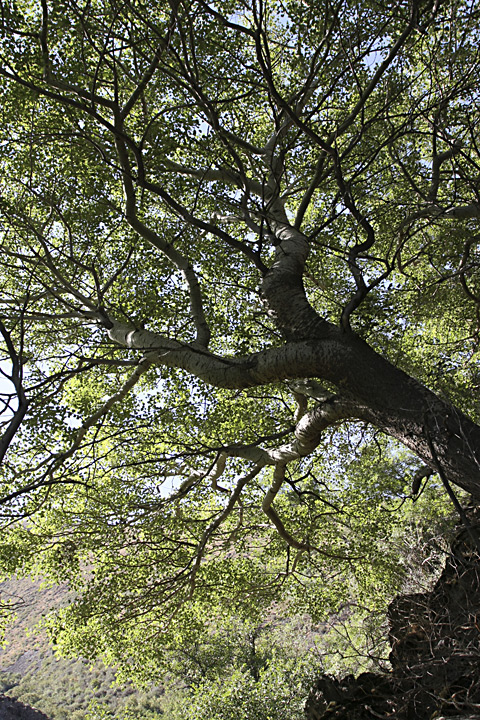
[240, 307]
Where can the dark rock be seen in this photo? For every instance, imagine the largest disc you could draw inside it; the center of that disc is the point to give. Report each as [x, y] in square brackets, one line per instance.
[11, 709]
[435, 652]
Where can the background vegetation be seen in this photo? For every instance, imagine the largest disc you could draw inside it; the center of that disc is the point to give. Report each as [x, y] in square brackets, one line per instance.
[260, 669]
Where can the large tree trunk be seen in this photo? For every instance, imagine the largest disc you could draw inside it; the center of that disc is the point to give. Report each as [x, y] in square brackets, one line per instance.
[369, 387]
[396, 403]
[446, 439]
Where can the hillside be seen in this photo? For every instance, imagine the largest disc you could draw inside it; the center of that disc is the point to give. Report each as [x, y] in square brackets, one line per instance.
[62, 689]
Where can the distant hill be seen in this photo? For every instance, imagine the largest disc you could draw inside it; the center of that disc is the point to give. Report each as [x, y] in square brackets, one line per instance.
[62, 689]
[25, 648]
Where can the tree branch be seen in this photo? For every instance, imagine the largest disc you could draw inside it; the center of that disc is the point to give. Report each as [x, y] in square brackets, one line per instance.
[196, 302]
[141, 368]
[16, 379]
[207, 534]
[270, 512]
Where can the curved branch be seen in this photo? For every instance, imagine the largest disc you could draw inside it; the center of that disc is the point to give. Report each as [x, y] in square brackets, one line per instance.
[207, 534]
[436, 211]
[270, 512]
[309, 429]
[212, 474]
[292, 360]
[222, 175]
[196, 302]
[16, 379]
[141, 368]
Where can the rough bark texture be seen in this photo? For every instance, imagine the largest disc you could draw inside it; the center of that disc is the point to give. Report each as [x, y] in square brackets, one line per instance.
[435, 656]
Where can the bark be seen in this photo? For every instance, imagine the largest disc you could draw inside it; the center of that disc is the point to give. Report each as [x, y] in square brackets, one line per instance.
[397, 404]
[370, 388]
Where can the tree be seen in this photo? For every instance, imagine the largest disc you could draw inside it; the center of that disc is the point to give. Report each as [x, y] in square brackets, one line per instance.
[239, 240]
